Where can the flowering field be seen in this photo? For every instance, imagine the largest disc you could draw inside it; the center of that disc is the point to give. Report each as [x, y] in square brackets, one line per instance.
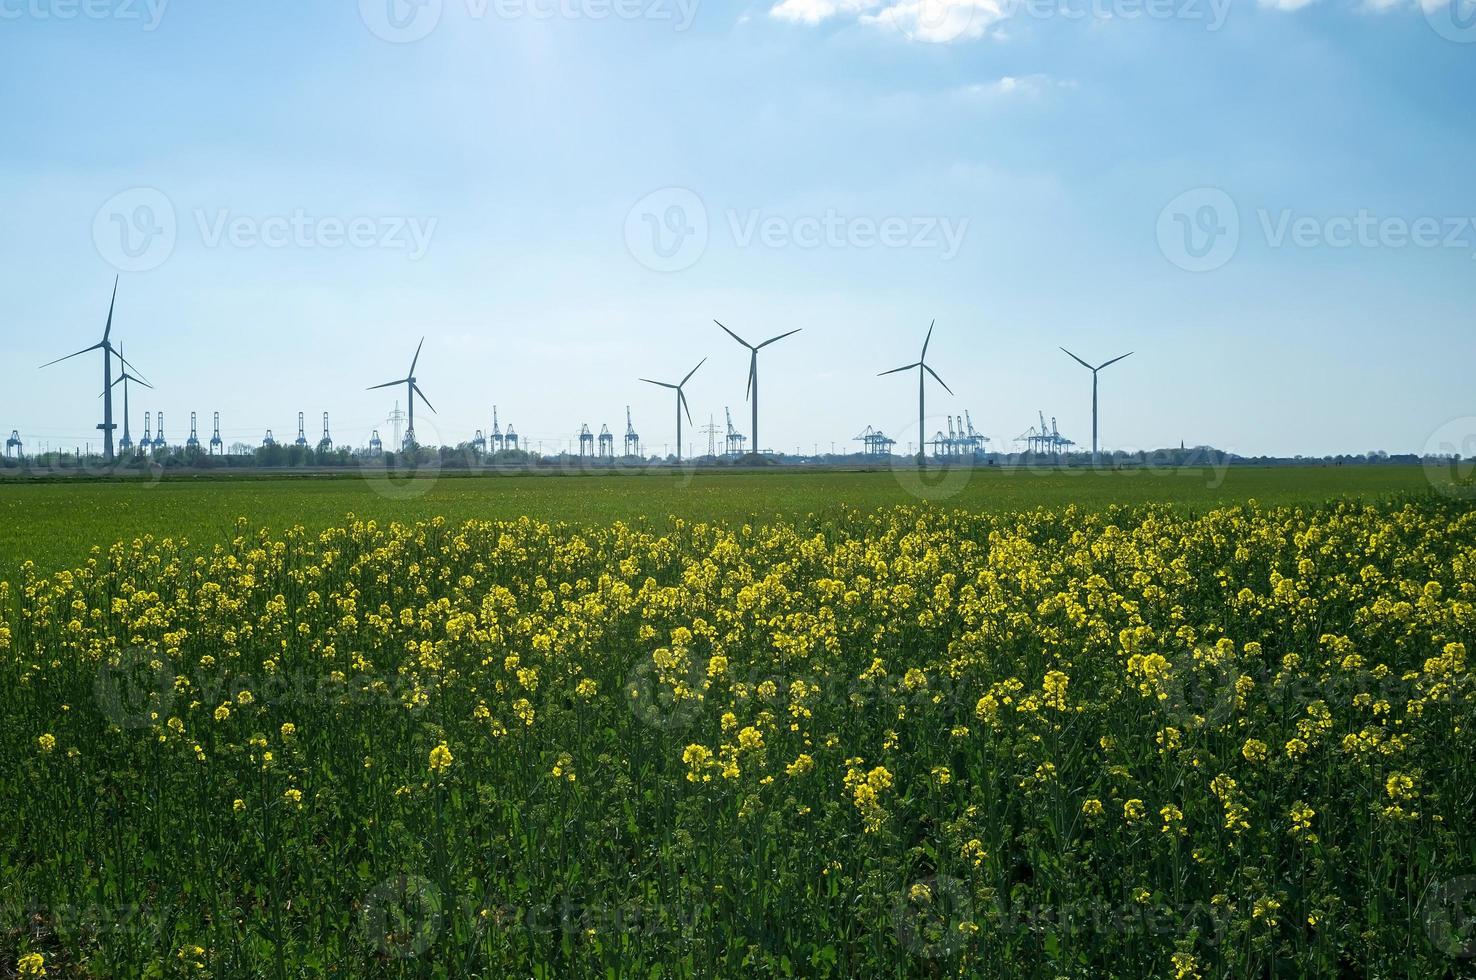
[914, 743]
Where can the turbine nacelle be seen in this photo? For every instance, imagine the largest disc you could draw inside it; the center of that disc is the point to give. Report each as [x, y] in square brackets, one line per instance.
[1099, 367]
[410, 382]
[681, 395]
[106, 343]
[753, 353]
[921, 363]
[125, 376]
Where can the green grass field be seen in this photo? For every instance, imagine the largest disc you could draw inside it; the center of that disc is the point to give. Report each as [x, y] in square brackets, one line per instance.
[56, 524]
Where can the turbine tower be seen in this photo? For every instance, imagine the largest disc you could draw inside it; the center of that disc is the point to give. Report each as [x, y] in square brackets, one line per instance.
[106, 346]
[1094, 371]
[411, 390]
[922, 371]
[753, 375]
[124, 377]
[681, 401]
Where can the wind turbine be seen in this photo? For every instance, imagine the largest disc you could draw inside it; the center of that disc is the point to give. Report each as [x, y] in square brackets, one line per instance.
[1094, 371]
[681, 401]
[106, 346]
[126, 443]
[753, 374]
[922, 368]
[411, 390]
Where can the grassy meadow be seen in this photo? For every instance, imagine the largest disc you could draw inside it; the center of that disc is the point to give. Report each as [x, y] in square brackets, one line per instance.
[56, 524]
[1128, 725]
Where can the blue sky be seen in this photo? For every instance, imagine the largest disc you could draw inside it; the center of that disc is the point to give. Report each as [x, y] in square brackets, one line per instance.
[1271, 206]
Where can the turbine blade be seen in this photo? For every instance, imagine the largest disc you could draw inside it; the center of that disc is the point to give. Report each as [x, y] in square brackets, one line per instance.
[416, 389]
[70, 356]
[752, 376]
[1116, 359]
[938, 379]
[659, 384]
[125, 376]
[692, 372]
[927, 340]
[128, 364]
[416, 359]
[1077, 359]
[774, 340]
[735, 336]
[682, 399]
[905, 367]
[111, 303]
[387, 384]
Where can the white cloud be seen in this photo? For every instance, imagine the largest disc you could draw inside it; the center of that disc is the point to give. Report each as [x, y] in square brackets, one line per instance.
[936, 21]
[939, 21]
[814, 11]
[1013, 86]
